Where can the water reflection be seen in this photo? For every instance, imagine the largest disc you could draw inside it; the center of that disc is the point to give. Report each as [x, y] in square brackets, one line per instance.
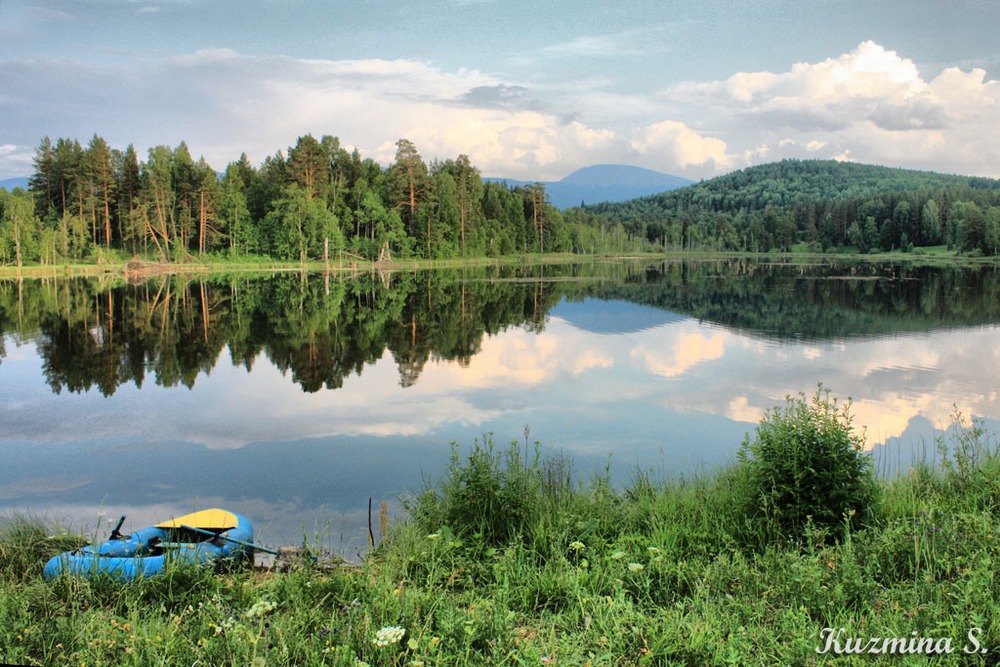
[294, 399]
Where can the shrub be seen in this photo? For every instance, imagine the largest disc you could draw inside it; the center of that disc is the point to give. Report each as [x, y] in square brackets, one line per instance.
[805, 468]
[492, 496]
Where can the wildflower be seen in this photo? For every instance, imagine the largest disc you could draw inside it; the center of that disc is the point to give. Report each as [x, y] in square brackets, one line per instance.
[260, 608]
[434, 536]
[653, 550]
[618, 555]
[635, 567]
[389, 635]
[577, 546]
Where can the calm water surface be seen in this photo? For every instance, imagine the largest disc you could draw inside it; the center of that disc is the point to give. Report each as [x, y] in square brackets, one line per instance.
[294, 399]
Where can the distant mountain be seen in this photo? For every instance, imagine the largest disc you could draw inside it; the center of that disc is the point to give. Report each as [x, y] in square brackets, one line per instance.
[590, 185]
[605, 183]
[10, 183]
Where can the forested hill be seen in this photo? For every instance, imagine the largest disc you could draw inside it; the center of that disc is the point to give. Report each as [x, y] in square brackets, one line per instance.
[823, 202]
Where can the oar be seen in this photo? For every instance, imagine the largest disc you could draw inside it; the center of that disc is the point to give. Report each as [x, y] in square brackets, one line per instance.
[231, 539]
[115, 534]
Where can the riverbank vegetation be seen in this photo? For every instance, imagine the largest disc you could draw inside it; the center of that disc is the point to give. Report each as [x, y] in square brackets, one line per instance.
[509, 560]
[317, 202]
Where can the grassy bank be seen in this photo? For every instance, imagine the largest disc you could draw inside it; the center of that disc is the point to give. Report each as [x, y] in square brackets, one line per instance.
[122, 266]
[509, 560]
[117, 265]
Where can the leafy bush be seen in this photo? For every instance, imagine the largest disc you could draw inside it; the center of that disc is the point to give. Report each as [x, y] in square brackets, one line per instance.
[805, 469]
[492, 496]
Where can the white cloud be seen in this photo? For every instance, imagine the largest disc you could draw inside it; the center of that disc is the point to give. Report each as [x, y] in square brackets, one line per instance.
[680, 145]
[871, 103]
[867, 84]
[631, 42]
[588, 45]
[46, 15]
[223, 103]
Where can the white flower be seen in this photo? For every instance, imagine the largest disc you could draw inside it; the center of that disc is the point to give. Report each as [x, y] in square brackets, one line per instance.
[618, 555]
[389, 635]
[635, 567]
[260, 608]
[577, 546]
[653, 550]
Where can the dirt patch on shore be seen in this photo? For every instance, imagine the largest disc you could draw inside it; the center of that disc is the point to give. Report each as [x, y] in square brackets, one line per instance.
[137, 270]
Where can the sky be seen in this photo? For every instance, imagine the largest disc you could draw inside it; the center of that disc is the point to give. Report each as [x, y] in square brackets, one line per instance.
[531, 90]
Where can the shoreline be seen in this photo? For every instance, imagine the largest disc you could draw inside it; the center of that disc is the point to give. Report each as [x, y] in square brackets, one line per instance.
[653, 573]
[139, 268]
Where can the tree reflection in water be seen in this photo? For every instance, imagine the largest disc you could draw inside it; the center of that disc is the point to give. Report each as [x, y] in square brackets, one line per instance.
[92, 334]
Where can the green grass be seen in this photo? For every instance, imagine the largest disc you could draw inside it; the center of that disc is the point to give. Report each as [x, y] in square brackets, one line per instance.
[561, 572]
[115, 263]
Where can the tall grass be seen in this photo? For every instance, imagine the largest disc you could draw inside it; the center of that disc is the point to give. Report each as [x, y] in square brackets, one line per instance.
[509, 560]
[27, 543]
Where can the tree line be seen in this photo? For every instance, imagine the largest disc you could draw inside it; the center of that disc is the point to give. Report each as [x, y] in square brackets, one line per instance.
[828, 206]
[315, 201]
[320, 201]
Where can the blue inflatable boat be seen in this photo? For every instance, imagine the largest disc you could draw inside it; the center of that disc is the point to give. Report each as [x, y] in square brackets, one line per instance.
[202, 537]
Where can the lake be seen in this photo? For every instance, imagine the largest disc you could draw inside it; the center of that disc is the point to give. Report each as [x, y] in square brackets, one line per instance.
[295, 398]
